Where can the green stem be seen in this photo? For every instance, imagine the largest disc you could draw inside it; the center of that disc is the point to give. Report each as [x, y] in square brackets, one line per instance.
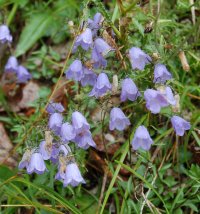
[130, 7]
[115, 177]
[12, 14]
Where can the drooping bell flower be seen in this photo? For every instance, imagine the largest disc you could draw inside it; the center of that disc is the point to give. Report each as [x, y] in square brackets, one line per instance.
[54, 107]
[84, 140]
[46, 146]
[5, 35]
[100, 50]
[23, 75]
[168, 94]
[11, 65]
[138, 58]
[84, 40]
[118, 120]
[89, 77]
[154, 100]
[129, 90]
[25, 159]
[101, 86]
[45, 150]
[55, 122]
[79, 122]
[141, 139]
[67, 132]
[64, 150]
[36, 164]
[180, 125]
[73, 176]
[96, 23]
[75, 71]
[161, 74]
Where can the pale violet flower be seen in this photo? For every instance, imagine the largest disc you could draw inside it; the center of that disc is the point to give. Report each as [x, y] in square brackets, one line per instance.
[84, 140]
[138, 58]
[73, 176]
[55, 122]
[11, 65]
[25, 159]
[89, 77]
[100, 49]
[129, 90]
[79, 122]
[5, 35]
[180, 125]
[141, 139]
[161, 74]
[23, 75]
[84, 40]
[75, 71]
[96, 23]
[154, 100]
[67, 132]
[118, 120]
[54, 107]
[36, 164]
[101, 86]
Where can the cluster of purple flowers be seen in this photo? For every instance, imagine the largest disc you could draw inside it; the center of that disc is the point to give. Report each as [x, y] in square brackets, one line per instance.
[155, 99]
[78, 131]
[12, 65]
[58, 151]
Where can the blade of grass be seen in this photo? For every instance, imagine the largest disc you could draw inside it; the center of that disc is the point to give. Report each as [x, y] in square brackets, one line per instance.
[122, 158]
[145, 181]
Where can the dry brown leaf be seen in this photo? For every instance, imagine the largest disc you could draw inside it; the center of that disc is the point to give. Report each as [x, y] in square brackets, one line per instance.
[5, 147]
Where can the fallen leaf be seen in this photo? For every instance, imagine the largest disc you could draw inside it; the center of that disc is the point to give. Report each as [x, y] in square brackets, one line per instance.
[5, 147]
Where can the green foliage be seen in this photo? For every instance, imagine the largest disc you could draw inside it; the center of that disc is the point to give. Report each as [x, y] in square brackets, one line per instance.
[169, 175]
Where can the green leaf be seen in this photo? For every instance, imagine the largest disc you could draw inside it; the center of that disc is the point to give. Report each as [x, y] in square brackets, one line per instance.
[33, 31]
[139, 26]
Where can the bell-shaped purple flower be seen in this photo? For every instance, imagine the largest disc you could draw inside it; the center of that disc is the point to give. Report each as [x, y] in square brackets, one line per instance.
[89, 77]
[54, 107]
[138, 58]
[168, 94]
[25, 159]
[129, 90]
[75, 71]
[11, 65]
[180, 125]
[101, 86]
[79, 122]
[100, 49]
[118, 120]
[67, 132]
[161, 74]
[96, 23]
[45, 150]
[54, 153]
[36, 164]
[84, 40]
[23, 75]
[64, 150]
[84, 140]
[141, 139]
[5, 35]
[73, 176]
[154, 100]
[55, 122]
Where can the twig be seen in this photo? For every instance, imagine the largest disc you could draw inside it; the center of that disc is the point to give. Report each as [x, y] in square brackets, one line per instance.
[193, 11]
